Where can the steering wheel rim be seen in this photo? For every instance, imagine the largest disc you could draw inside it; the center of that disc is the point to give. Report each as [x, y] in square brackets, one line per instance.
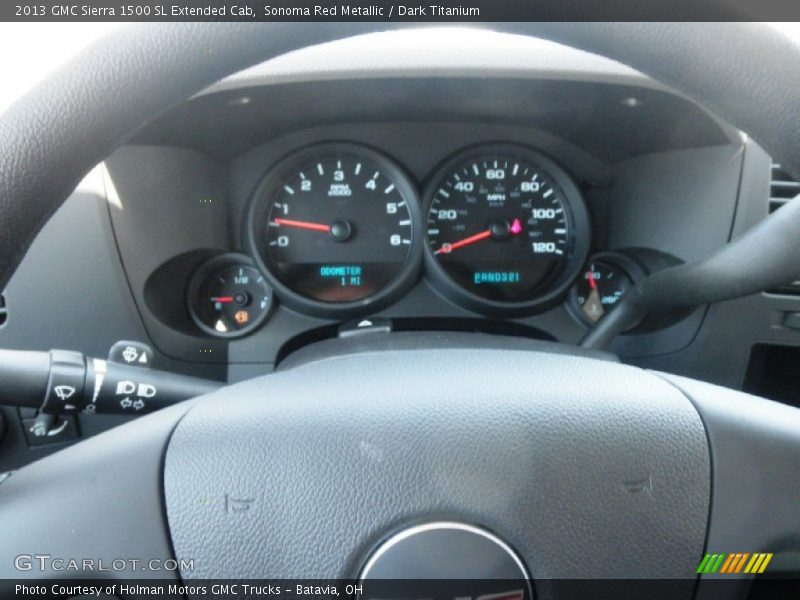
[109, 91]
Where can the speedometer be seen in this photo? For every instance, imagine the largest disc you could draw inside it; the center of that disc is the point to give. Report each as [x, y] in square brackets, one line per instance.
[336, 228]
[507, 230]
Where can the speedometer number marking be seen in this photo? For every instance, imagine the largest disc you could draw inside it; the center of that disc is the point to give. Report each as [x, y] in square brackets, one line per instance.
[499, 226]
[336, 227]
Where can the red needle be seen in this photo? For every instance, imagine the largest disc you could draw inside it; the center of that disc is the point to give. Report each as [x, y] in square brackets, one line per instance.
[448, 248]
[592, 282]
[303, 225]
[223, 299]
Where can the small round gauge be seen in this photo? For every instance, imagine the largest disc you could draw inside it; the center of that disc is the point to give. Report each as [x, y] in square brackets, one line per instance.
[507, 229]
[599, 289]
[337, 229]
[605, 279]
[228, 296]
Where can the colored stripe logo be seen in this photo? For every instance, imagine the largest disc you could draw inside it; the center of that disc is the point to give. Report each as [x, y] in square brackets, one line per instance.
[737, 562]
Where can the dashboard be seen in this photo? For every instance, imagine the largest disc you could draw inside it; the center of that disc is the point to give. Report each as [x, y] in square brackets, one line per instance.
[512, 206]
[409, 181]
[339, 230]
[333, 224]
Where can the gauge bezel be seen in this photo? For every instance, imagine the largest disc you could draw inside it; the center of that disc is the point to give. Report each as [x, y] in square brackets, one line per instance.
[276, 175]
[577, 252]
[632, 269]
[220, 261]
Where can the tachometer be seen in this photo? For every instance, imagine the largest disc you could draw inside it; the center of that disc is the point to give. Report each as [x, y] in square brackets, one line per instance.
[337, 228]
[507, 229]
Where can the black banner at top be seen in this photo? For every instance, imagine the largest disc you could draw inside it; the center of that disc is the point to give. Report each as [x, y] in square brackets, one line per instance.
[442, 11]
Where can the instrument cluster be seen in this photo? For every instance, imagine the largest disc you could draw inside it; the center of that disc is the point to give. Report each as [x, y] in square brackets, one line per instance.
[339, 230]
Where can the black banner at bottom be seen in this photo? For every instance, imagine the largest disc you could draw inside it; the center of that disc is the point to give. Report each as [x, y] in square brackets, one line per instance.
[773, 587]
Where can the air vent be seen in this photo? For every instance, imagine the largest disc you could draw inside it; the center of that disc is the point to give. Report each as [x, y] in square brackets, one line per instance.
[782, 188]
[793, 289]
[3, 310]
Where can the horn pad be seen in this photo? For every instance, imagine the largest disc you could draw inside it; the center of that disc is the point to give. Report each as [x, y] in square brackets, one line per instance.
[587, 468]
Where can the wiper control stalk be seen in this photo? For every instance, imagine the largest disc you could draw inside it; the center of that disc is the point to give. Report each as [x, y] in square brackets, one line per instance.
[62, 382]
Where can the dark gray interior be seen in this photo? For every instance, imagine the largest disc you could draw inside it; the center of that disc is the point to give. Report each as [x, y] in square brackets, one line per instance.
[651, 450]
[177, 195]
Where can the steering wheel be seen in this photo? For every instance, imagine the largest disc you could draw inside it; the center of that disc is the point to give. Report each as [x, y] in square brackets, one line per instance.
[574, 466]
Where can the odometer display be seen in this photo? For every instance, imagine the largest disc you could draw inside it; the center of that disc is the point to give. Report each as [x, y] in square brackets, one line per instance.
[502, 225]
[335, 224]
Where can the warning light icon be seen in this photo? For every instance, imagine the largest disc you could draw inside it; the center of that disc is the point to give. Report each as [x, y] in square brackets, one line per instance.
[241, 317]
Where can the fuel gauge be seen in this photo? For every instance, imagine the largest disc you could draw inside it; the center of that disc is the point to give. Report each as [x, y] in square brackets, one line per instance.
[228, 296]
